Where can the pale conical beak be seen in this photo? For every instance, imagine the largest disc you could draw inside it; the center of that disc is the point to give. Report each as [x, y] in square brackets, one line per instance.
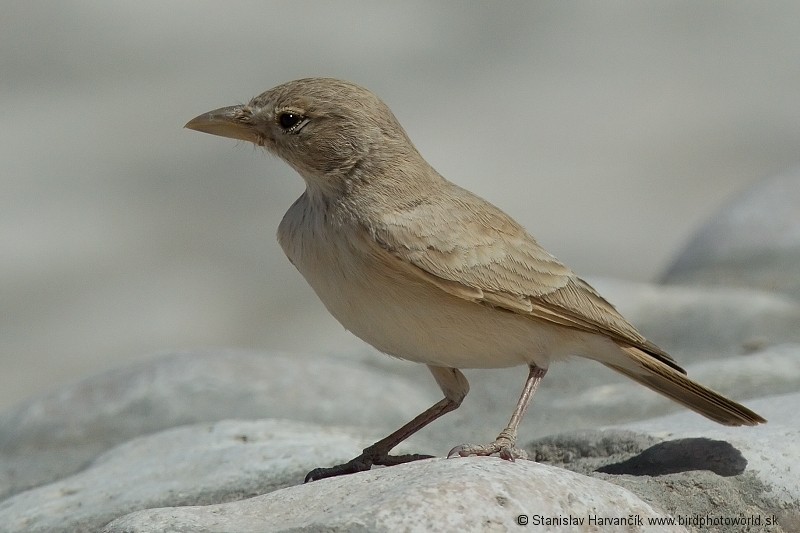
[235, 122]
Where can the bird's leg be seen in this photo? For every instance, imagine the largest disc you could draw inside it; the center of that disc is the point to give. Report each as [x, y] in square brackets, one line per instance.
[505, 443]
[378, 453]
[455, 388]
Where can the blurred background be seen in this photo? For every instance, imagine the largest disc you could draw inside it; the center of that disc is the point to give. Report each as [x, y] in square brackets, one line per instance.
[611, 130]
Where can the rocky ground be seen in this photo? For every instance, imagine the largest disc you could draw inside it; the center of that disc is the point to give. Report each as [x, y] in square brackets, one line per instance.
[217, 440]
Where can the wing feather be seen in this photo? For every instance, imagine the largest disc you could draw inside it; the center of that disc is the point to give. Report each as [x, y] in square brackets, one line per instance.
[471, 249]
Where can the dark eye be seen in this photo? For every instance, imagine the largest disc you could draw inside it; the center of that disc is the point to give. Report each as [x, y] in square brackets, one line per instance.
[289, 120]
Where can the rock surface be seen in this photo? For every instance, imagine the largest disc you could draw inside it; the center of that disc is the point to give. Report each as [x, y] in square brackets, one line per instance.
[696, 322]
[233, 473]
[189, 465]
[754, 241]
[57, 434]
[689, 467]
[245, 476]
[474, 494]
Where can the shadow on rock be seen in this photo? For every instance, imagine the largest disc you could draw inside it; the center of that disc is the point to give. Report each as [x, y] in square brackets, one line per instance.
[682, 455]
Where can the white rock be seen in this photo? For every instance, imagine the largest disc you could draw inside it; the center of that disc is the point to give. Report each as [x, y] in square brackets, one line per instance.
[55, 435]
[474, 494]
[753, 241]
[696, 322]
[207, 463]
[696, 470]
[772, 450]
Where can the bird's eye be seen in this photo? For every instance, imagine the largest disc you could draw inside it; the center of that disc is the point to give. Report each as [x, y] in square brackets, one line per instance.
[290, 121]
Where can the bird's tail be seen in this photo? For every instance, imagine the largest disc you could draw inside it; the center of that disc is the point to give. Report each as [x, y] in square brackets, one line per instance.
[660, 377]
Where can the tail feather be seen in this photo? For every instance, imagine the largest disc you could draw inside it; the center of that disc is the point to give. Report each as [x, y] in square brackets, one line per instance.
[665, 380]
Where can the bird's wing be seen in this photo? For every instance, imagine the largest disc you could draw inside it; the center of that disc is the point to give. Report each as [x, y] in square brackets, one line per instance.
[471, 249]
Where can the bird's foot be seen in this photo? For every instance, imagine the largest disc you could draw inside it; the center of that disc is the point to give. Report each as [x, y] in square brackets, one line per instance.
[363, 462]
[503, 446]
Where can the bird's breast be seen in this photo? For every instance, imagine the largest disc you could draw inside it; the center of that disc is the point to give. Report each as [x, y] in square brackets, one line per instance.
[398, 313]
[368, 298]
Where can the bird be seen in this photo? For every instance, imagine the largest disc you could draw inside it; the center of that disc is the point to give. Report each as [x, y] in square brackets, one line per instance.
[426, 271]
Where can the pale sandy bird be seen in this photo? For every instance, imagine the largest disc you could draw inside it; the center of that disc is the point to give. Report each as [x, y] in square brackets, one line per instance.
[426, 271]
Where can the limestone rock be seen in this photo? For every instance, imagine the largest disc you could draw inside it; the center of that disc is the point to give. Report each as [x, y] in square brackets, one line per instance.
[754, 241]
[695, 469]
[472, 494]
[697, 322]
[189, 465]
[55, 435]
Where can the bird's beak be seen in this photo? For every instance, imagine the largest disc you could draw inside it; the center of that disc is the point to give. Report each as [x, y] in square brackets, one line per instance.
[235, 122]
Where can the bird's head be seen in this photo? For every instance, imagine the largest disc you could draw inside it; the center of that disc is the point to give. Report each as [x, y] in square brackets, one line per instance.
[326, 129]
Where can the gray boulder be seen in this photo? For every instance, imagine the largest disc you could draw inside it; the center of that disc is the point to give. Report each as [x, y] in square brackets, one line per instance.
[189, 465]
[696, 323]
[694, 469]
[474, 494]
[57, 434]
[754, 241]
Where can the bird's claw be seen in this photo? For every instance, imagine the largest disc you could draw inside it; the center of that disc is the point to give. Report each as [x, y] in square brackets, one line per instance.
[503, 447]
[361, 463]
